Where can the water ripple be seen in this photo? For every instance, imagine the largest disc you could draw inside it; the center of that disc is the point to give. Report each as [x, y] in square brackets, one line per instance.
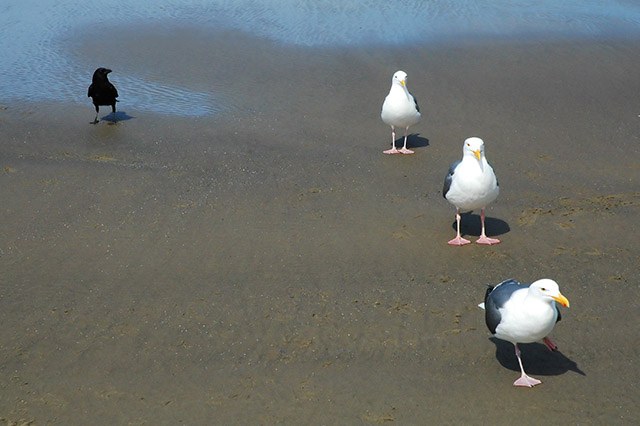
[36, 65]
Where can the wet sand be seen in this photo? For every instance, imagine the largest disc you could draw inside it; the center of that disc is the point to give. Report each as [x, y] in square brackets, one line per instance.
[270, 265]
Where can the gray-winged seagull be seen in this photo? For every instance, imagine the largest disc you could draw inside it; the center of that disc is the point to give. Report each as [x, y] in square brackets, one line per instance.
[520, 313]
[469, 185]
[400, 109]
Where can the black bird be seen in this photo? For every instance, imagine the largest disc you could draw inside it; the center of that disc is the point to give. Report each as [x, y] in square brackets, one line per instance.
[102, 92]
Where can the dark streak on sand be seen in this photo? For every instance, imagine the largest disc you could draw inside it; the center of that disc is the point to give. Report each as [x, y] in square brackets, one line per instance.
[270, 265]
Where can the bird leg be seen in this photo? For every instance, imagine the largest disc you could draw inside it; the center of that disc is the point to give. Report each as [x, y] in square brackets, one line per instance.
[524, 380]
[549, 343]
[404, 149]
[95, 120]
[483, 238]
[113, 112]
[458, 240]
[393, 149]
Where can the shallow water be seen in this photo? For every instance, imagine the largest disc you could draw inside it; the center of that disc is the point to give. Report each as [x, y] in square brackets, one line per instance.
[35, 35]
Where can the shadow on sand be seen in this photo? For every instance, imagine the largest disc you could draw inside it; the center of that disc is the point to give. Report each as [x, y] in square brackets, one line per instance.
[113, 118]
[537, 359]
[414, 140]
[470, 225]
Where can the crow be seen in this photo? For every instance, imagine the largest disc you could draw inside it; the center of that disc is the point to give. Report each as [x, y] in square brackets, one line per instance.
[102, 92]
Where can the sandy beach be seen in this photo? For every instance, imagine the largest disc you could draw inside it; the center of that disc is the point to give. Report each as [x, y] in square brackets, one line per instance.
[267, 264]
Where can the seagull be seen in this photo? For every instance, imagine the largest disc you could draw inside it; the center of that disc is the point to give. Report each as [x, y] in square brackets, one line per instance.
[520, 313]
[400, 109]
[102, 92]
[471, 184]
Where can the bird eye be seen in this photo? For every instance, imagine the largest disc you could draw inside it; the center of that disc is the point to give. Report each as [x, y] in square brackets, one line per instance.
[543, 289]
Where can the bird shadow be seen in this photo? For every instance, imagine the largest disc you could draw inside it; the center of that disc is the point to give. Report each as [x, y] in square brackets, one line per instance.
[537, 359]
[414, 140]
[470, 224]
[114, 117]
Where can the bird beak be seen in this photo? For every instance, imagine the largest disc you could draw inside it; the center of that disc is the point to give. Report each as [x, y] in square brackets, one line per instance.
[477, 154]
[561, 300]
[403, 82]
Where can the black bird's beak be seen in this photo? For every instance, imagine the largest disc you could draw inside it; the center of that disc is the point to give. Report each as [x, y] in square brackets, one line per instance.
[107, 71]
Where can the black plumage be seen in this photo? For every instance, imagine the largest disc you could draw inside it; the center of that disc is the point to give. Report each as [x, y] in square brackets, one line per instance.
[102, 92]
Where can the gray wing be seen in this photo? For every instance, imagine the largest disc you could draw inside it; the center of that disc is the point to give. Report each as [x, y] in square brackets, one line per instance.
[416, 102]
[449, 178]
[495, 298]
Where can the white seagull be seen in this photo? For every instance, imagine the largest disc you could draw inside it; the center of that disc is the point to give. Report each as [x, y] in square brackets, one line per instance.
[521, 313]
[400, 109]
[469, 185]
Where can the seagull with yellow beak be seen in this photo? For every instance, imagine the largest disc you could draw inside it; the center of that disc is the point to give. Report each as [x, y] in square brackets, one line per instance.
[400, 109]
[520, 313]
[469, 185]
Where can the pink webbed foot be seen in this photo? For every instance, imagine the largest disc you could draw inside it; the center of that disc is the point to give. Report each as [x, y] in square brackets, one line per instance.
[549, 343]
[406, 151]
[526, 381]
[458, 241]
[391, 151]
[487, 241]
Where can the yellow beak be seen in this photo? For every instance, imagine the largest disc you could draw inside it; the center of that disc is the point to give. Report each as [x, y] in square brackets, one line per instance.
[403, 82]
[477, 154]
[561, 300]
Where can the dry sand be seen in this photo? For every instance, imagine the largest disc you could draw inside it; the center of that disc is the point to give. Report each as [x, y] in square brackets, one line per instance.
[270, 265]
